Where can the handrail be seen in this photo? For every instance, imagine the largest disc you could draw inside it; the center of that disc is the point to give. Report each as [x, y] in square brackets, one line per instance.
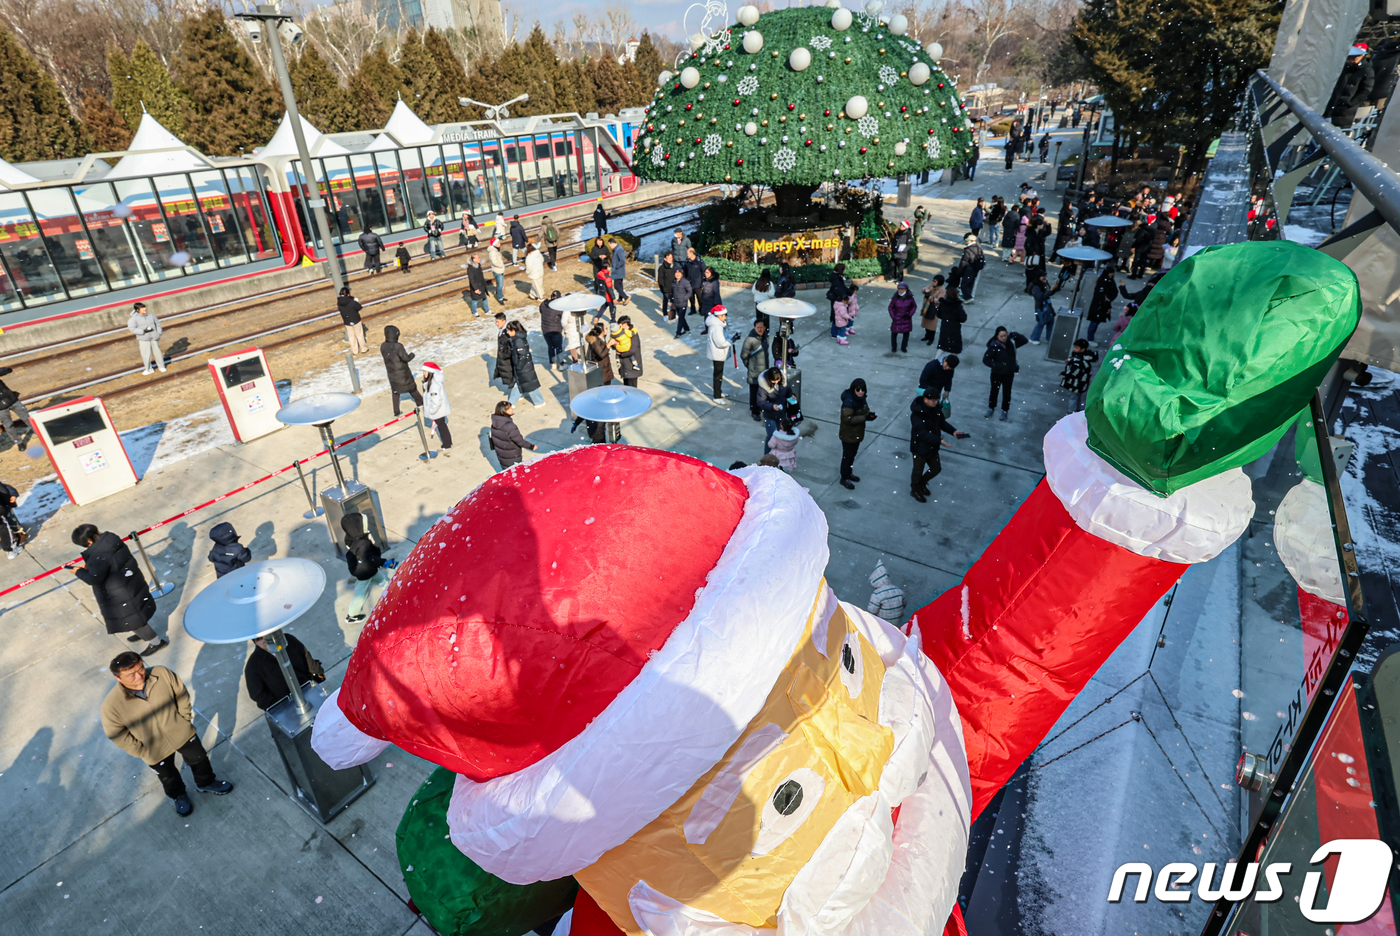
[1376, 181]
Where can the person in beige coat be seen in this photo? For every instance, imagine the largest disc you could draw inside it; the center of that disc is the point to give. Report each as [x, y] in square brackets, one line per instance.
[148, 715]
[534, 271]
[498, 267]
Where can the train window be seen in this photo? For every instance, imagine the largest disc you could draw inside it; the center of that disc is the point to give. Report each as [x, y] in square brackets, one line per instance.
[74, 426]
[564, 148]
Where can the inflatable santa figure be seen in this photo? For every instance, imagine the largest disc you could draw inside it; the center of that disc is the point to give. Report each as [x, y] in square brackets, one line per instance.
[633, 675]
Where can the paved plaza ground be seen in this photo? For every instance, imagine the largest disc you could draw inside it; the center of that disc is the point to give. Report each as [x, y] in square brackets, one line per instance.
[91, 846]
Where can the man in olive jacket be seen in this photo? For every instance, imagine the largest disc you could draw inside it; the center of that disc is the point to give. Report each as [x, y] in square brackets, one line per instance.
[148, 715]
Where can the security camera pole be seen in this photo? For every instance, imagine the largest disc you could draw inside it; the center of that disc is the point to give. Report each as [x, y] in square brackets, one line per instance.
[271, 19]
[494, 111]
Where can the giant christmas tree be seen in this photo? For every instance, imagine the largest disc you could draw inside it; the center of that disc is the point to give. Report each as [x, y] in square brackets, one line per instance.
[794, 98]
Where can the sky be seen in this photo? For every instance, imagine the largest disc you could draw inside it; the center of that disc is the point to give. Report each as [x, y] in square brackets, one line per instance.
[663, 17]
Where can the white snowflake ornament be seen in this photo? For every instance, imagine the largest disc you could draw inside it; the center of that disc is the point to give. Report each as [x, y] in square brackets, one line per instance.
[888, 75]
[713, 144]
[784, 159]
[868, 126]
[748, 85]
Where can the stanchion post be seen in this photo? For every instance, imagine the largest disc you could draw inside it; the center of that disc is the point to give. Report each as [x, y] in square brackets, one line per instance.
[315, 511]
[159, 589]
[423, 436]
[354, 371]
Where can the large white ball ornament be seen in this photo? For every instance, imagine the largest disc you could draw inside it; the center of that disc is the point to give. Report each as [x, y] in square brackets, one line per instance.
[748, 15]
[690, 76]
[841, 20]
[874, 7]
[899, 24]
[666, 76]
[750, 128]
[857, 107]
[900, 149]
[934, 50]
[696, 41]
[833, 4]
[799, 59]
[919, 73]
[753, 41]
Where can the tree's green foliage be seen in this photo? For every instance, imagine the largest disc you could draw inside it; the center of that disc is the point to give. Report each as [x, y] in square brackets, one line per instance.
[374, 88]
[1172, 71]
[142, 81]
[34, 120]
[320, 98]
[232, 107]
[105, 128]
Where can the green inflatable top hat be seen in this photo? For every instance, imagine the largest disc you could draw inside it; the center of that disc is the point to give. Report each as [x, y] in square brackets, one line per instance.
[1219, 361]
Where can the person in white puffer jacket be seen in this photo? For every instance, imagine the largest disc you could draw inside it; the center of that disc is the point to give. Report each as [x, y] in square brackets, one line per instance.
[436, 407]
[720, 345]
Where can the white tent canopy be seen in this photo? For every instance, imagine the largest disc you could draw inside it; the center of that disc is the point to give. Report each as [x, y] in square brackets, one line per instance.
[11, 176]
[141, 161]
[404, 126]
[283, 142]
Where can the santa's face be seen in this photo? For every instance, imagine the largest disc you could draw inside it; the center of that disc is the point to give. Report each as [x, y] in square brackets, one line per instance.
[796, 825]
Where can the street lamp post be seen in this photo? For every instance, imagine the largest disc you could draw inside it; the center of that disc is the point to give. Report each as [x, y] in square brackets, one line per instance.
[268, 14]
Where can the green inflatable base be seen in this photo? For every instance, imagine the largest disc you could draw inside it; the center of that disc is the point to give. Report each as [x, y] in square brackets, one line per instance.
[456, 896]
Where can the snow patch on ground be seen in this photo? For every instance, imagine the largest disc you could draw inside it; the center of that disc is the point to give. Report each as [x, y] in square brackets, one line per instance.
[1303, 235]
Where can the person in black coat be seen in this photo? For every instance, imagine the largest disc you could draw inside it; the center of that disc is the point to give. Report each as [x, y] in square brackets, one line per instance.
[12, 535]
[477, 291]
[349, 308]
[695, 272]
[372, 245]
[926, 427]
[518, 240]
[1000, 357]
[526, 382]
[396, 358]
[262, 674]
[503, 370]
[10, 406]
[123, 596]
[552, 327]
[600, 218]
[665, 279]
[365, 562]
[937, 375]
[951, 316]
[1353, 88]
[786, 287]
[1101, 306]
[228, 554]
[836, 291]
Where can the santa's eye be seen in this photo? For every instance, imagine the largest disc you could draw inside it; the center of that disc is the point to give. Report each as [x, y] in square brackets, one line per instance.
[794, 799]
[788, 798]
[852, 666]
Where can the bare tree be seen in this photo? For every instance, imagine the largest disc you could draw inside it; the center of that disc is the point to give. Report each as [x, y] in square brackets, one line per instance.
[616, 27]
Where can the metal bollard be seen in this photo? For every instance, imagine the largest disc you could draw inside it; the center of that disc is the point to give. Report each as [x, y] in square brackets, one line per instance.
[428, 454]
[315, 511]
[159, 589]
[354, 371]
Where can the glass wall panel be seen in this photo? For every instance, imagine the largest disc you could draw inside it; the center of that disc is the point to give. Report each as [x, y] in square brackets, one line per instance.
[517, 154]
[31, 275]
[186, 227]
[216, 202]
[435, 181]
[137, 203]
[371, 200]
[251, 200]
[415, 185]
[493, 167]
[9, 295]
[113, 242]
[69, 247]
[342, 208]
[296, 183]
[391, 182]
[456, 178]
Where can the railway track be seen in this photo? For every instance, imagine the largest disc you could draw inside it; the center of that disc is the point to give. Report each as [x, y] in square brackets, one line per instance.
[90, 350]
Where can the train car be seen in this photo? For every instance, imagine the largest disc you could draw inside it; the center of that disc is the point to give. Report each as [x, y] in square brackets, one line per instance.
[168, 219]
[524, 166]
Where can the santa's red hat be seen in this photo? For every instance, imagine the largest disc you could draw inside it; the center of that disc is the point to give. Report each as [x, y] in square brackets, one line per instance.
[580, 639]
[430, 366]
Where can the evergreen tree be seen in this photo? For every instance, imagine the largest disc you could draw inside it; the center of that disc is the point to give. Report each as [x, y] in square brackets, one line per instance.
[232, 107]
[35, 123]
[320, 98]
[105, 128]
[142, 81]
[610, 88]
[649, 64]
[1172, 72]
[451, 71]
[575, 88]
[374, 87]
[423, 87]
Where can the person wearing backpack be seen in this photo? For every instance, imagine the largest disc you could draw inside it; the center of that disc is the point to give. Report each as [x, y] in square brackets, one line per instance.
[1101, 306]
[365, 562]
[971, 263]
[1000, 357]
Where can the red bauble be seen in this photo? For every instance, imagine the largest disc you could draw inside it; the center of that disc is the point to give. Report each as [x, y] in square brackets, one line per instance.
[792, 107]
[697, 141]
[862, 149]
[940, 84]
[689, 106]
[739, 161]
[903, 109]
[736, 102]
[809, 142]
[931, 131]
[826, 113]
[677, 87]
